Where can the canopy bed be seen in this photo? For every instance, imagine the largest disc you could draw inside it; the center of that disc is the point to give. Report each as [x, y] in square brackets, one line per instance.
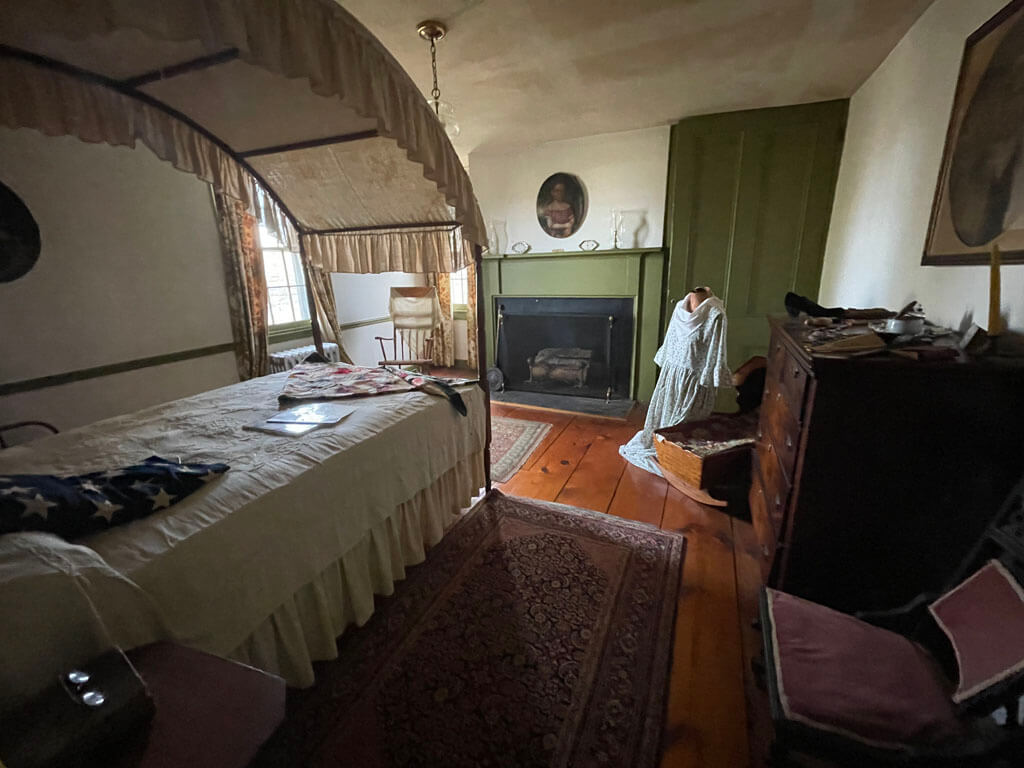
[293, 111]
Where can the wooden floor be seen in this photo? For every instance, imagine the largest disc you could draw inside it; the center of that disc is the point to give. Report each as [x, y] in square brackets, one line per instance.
[717, 718]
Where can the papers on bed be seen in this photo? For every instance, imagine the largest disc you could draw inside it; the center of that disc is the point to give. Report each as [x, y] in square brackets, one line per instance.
[302, 419]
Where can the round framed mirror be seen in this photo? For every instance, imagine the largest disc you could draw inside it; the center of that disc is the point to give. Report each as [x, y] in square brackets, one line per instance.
[19, 236]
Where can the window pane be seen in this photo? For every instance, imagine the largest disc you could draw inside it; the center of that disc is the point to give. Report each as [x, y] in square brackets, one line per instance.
[268, 239]
[295, 274]
[281, 306]
[299, 303]
[460, 286]
[302, 303]
[273, 266]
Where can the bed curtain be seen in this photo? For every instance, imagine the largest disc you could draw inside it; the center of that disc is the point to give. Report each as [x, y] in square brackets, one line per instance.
[246, 285]
[444, 336]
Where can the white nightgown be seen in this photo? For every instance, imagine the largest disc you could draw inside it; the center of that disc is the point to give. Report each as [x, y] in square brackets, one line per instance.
[693, 367]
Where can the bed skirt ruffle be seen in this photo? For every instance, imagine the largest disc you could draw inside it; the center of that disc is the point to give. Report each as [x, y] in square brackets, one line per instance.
[305, 628]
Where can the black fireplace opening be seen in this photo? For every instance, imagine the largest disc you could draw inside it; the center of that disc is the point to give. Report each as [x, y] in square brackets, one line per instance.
[579, 346]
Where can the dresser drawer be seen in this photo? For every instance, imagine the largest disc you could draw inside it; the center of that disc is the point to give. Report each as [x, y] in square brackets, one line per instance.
[773, 480]
[778, 425]
[764, 530]
[786, 378]
[793, 378]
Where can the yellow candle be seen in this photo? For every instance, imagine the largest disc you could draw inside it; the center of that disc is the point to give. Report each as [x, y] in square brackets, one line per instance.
[994, 320]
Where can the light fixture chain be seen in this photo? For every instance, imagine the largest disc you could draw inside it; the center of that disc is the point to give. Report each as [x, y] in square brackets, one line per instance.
[435, 92]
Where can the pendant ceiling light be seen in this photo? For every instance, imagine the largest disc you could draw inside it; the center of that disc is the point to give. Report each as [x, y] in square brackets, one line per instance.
[432, 31]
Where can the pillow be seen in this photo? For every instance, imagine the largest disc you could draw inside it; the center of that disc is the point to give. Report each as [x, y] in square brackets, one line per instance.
[983, 618]
[79, 505]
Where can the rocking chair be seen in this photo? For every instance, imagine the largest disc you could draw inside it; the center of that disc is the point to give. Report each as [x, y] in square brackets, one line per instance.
[878, 688]
[415, 312]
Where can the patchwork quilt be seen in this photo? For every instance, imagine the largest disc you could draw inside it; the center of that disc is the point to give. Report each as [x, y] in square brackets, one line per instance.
[330, 381]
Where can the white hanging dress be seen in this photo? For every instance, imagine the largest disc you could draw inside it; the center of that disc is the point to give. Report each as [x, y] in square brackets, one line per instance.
[693, 367]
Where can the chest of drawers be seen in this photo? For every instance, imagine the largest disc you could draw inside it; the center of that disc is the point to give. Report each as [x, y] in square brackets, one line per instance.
[873, 477]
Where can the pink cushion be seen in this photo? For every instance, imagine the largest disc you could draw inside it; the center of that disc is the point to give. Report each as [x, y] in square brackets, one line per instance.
[984, 621]
[842, 675]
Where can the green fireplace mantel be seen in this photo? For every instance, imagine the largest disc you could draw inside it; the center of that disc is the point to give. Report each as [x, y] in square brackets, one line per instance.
[637, 274]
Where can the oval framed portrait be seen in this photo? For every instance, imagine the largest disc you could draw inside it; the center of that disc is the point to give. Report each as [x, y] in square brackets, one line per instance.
[561, 204]
[19, 236]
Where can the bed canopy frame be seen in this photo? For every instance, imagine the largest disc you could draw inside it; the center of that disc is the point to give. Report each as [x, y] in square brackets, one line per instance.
[290, 106]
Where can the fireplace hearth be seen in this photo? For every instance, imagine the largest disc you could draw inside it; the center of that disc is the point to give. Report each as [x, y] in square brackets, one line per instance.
[578, 346]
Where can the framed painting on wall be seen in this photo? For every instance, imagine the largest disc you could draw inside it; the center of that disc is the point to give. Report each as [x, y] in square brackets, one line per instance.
[561, 204]
[979, 197]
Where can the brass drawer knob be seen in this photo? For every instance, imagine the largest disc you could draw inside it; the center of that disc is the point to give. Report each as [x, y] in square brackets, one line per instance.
[789, 441]
[778, 501]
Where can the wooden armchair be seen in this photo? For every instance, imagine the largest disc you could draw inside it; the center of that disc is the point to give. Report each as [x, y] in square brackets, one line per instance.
[943, 690]
[415, 313]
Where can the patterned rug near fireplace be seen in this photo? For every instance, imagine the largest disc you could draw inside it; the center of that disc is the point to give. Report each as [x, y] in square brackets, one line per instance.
[535, 634]
[512, 442]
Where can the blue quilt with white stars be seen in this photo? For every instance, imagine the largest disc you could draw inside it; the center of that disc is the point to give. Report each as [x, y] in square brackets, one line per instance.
[79, 505]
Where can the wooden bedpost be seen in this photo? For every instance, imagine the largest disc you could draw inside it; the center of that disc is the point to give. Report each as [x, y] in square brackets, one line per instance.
[481, 353]
[314, 315]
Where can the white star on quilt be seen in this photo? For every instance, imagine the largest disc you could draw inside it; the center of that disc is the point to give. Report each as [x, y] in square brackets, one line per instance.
[111, 473]
[105, 509]
[161, 500]
[89, 485]
[15, 489]
[141, 487]
[37, 506]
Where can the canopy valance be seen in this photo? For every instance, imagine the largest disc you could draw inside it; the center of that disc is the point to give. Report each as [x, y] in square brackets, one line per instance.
[290, 106]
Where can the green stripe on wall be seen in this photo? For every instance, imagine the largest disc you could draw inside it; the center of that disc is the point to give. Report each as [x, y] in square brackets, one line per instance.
[58, 379]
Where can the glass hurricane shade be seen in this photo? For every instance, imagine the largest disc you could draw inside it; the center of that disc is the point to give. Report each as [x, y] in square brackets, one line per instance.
[446, 114]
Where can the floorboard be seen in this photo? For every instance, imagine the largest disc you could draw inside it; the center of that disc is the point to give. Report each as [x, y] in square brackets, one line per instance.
[640, 496]
[592, 485]
[707, 708]
[748, 590]
[545, 477]
[717, 717]
[558, 422]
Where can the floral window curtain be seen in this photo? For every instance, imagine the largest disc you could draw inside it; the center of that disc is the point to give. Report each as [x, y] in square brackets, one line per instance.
[472, 353]
[444, 340]
[246, 285]
[326, 308]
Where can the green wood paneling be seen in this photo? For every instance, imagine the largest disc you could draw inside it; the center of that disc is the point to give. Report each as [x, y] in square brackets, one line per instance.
[638, 274]
[749, 200]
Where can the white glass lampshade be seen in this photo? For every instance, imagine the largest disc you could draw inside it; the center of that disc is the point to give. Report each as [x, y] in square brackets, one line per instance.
[446, 114]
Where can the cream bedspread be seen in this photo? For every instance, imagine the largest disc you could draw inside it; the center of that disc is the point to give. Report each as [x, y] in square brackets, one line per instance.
[223, 569]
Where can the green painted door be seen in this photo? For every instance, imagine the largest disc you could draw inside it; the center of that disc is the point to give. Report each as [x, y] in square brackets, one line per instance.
[749, 199]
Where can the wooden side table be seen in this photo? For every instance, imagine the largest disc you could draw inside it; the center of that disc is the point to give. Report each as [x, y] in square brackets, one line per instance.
[210, 712]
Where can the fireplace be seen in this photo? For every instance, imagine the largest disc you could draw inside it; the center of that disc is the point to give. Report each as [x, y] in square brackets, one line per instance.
[580, 346]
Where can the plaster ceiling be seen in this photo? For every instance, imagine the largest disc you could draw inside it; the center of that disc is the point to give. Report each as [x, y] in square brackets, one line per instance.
[521, 72]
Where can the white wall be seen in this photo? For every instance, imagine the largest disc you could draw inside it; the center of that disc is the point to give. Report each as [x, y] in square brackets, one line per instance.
[130, 268]
[625, 171]
[894, 141]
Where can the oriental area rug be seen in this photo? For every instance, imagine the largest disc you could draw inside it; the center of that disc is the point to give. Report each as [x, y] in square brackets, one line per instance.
[534, 635]
[512, 442]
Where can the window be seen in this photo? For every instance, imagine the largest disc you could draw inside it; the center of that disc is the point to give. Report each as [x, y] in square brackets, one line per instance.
[460, 288]
[287, 304]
